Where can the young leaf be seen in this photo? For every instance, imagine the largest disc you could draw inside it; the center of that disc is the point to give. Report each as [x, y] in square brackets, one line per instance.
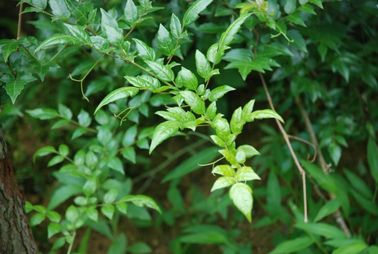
[202, 65]
[110, 26]
[57, 40]
[186, 78]
[219, 91]
[194, 101]
[144, 51]
[327, 209]
[161, 71]
[224, 170]
[241, 196]
[265, 114]
[222, 182]
[59, 8]
[164, 41]
[227, 37]
[117, 94]
[14, 89]
[162, 132]
[246, 174]
[130, 12]
[192, 12]
[175, 26]
[142, 201]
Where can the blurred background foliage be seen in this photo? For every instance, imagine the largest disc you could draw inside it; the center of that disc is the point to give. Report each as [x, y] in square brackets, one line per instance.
[319, 59]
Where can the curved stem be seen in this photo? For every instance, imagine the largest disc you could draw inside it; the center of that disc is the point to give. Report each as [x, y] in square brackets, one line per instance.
[291, 150]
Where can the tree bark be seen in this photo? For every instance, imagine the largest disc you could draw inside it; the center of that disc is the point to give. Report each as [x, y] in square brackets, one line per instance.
[15, 234]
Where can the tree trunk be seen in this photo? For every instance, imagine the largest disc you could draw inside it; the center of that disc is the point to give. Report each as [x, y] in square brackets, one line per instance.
[15, 234]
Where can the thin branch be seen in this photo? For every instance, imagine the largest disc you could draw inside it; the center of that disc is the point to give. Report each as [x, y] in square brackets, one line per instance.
[323, 164]
[307, 143]
[19, 25]
[291, 150]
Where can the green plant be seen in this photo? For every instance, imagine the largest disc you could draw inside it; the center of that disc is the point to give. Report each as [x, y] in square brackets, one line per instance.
[136, 60]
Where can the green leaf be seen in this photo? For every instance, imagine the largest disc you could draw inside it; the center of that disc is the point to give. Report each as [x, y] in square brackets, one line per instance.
[192, 12]
[108, 210]
[72, 213]
[164, 41]
[194, 101]
[321, 229]
[175, 26]
[110, 196]
[219, 92]
[222, 182]
[117, 94]
[63, 193]
[265, 114]
[202, 65]
[84, 118]
[57, 40]
[130, 12]
[224, 170]
[162, 132]
[59, 8]
[191, 164]
[237, 122]
[293, 245]
[372, 156]
[53, 229]
[227, 37]
[186, 78]
[53, 216]
[246, 174]
[110, 27]
[354, 248]
[129, 154]
[327, 209]
[40, 4]
[46, 150]
[139, 248]
[141, 201]
[43, 113]
[55, 160]
[161, 71]
[78, 32]
[144, 81]
[241, 196]
[144, 51]
[119, 244]
[36, 219]
[14, 89]
[116, 164]
[65, 112]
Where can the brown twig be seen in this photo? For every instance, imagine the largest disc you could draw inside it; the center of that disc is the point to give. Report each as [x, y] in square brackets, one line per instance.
[19, 24]
[325, 167]
[291, 150]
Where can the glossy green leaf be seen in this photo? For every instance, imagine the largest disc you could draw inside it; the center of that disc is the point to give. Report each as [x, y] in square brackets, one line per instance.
[193, 11]
[130, 12]
[227, 37]
[117, 94]
[265, 114]
[194, 101]
[163, 72]
[14, 89]
[241, 196]
[186, 78]
[219, 92]
[162, 132]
